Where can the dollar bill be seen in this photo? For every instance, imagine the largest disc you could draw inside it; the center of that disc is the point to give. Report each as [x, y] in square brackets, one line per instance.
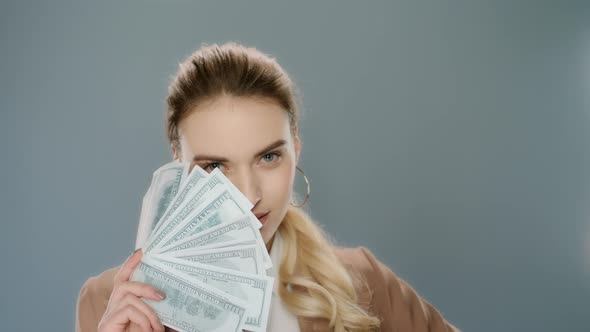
[174, 217]
[244, 201]
[245, 258]
[240, 229]
[255, 289]
[222, 204]
[190, 305]
[145, 227]
[193, 182]
[166, 181]
[203, 244]
[194, 188]
[237, 232]
[192, 195]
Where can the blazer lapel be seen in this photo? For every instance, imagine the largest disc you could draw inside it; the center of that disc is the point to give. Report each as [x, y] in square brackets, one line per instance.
[317, 325]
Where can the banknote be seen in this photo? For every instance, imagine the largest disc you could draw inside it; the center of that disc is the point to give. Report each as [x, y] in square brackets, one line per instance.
[166, 181]
[190, 305]
[189, 199]
[255, 289]
[174, 217]
[212, 234]
[221, 203]
[245, 258]
[240, 229]
[193, 182]
[203, 248]
[145, 226]
[197, 185]
[243, 200]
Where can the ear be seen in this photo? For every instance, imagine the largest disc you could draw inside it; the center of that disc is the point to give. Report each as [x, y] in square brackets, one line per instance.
[175, 155]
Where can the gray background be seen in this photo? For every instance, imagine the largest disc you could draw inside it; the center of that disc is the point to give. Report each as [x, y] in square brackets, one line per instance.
[449, 137]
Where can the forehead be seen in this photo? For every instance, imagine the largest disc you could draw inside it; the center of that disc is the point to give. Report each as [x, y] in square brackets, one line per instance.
[233, 125]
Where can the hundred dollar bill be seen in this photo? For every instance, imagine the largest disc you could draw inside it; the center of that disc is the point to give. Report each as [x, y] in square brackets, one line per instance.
[166, 181]
[255, 289]
[194, 188]
[189, 199]
[237, 232]
[180, 209]
[144, 227]
[235, 191]
[190, 305]
[244, 258]
[182, 225]
[193, 182]
[240, 229]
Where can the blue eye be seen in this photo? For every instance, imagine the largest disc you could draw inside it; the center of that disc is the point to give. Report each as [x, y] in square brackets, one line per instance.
[212, 166]
[271, 156]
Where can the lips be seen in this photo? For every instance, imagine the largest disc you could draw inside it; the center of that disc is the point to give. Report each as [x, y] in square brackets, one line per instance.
[261, 216]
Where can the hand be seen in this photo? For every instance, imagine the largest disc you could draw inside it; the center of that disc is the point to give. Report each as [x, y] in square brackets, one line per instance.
[126, 311]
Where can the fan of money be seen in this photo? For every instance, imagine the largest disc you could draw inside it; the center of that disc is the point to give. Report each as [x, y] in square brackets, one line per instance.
[202, 248]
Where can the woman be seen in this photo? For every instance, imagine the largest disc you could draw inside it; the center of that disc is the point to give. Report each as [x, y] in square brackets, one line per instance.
[233, 108]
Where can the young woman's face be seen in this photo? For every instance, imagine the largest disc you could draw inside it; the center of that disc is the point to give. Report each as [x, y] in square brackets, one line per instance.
[250, 141]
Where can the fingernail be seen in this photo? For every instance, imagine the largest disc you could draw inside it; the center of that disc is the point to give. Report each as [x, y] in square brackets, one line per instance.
[133, 253]
[160, 295]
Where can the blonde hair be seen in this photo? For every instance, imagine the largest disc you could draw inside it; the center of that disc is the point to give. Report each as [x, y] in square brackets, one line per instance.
[313, 283]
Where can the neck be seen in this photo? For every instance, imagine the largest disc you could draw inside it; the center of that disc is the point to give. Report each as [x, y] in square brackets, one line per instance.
[269, 243]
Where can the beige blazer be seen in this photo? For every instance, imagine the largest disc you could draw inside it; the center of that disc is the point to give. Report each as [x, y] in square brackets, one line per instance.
[386, 295]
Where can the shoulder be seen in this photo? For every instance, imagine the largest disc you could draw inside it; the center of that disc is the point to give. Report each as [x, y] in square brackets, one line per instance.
[367, 271]
[100, 285]
[359, 258]
[368, 275]
[93, 299]
[388, 296]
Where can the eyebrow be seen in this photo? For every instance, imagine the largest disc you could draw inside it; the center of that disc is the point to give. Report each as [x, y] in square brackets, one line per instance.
[274, 145]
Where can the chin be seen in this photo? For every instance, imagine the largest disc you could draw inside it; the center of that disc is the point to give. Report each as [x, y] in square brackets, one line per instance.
[264, 231]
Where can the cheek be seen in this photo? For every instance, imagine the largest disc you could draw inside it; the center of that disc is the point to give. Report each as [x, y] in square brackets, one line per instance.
[278, 186]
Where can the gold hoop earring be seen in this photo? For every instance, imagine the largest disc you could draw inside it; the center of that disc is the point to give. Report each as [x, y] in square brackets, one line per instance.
[308, 188]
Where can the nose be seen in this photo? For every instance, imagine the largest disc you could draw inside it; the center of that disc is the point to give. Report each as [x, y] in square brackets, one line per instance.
[247, 182]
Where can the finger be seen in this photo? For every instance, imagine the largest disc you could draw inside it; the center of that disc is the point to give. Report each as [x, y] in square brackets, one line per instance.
[134, 328]
[131, 300]
[138, 289]
[127, 268]
[123, 317]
